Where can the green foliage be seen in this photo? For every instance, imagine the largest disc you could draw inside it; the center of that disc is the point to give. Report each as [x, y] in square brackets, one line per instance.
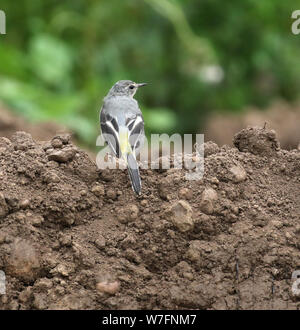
[50, 60]
[59, 58]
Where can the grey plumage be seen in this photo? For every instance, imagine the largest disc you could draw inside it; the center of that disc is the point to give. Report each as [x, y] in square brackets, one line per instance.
[122, 126]
[134, 174]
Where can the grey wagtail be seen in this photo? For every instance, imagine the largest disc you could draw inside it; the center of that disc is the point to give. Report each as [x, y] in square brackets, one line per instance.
[122, 126]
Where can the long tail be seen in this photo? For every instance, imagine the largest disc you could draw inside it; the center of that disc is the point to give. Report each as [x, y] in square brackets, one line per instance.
[134, 173]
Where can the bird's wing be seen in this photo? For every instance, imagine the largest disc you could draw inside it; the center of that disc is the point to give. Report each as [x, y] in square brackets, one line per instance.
[110, 131]
[135, 125]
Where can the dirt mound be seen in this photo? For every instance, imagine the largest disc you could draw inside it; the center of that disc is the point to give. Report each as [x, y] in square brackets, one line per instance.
[11, 122]
[285, 119]
[74, 237]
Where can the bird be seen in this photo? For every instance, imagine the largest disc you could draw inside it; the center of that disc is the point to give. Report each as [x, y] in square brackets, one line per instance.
[122, 126]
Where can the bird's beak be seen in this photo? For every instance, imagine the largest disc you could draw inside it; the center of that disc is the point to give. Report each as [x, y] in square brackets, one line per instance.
[141, 84]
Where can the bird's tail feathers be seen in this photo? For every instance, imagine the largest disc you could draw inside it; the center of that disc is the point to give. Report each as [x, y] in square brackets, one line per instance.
[134, 173]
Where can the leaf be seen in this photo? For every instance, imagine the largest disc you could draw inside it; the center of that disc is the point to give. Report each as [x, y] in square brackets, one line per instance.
[50, 59]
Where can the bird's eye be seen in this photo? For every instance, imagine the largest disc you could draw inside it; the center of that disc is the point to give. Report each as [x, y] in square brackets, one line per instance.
[131, 86]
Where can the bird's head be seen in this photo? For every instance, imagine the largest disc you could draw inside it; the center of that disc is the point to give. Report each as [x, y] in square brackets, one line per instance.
[125, 88]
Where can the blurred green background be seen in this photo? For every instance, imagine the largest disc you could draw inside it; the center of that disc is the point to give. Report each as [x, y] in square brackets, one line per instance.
[59, 58]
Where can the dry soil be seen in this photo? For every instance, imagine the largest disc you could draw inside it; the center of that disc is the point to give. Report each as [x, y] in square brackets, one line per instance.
[75, 237]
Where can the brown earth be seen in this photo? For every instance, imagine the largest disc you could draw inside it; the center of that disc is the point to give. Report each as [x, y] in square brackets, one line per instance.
[282, 117]
[11, 122]
[74, 237]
